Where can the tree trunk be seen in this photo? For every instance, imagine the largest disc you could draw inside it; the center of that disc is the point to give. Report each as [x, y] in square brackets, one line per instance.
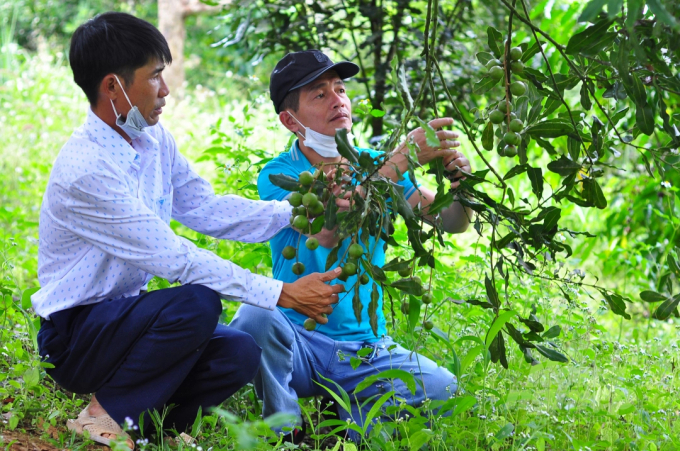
[171, 16]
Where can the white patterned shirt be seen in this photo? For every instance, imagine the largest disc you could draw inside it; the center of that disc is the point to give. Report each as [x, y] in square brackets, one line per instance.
[104, 223]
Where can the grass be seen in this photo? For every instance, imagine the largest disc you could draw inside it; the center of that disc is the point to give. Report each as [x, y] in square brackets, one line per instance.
[619, 392]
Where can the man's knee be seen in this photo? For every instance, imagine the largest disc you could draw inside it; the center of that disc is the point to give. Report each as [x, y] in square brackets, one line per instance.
[442, 385]
[250, 354]
[237, 347]
[260, 323]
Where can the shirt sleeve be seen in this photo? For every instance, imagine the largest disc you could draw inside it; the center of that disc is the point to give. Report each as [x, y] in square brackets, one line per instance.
[267, 190]
[227, 217]
[99, 208]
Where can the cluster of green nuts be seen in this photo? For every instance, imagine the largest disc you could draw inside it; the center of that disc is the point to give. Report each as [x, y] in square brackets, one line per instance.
[306, 206]
[503, 114]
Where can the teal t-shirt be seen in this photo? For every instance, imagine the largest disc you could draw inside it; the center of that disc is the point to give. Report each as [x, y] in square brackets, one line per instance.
[342, 324]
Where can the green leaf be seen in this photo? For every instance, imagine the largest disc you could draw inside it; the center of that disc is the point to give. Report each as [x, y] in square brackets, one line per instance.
[26, 297]
[634, 12]
[396, 264]
[673, 264]
[498, 324]
[317, 225]
[616, 304]
[553, 332]
[345, 148]
[401, 204]
[442, 200]
[635, 89]
[662, 14]
[406, 377]
[430, 133]
[564, 166]
[495, 39]
[531, 51]
[377, 113]
[482, 304]
[491, 292]
[505, 432]
[591, 10]
[666, 308]
[285, 182]
[532, 323]
[614, 8]
[522, 107]
[644, 119]
[497, 350]
[375, 272]
[409, 285]
[586, 103]
[333, 256]
[515, 170]
[373, 309]
[487, 136]
[420, 439]
[463, 404]
[552, 218]
[590, 38]
[536, 178]
[357, 306]
[574, 148]
[484, 84]
[593, 193]
[652, 296]
[399, 80]
[551, 128]
[31, 377]
[484, 57]
[619, 115]
[551, 354]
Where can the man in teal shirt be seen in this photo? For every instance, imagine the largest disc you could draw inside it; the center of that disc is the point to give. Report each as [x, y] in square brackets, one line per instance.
[308, 92]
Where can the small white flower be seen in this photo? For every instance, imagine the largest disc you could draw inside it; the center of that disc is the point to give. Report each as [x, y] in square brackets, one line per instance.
[666, 184]
[129, 423]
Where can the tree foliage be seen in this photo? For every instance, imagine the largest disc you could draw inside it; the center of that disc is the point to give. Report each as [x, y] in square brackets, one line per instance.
[577, 105]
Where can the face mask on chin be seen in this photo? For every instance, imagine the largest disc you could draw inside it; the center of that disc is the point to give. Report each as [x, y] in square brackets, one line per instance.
[134, 122]
[324, 145]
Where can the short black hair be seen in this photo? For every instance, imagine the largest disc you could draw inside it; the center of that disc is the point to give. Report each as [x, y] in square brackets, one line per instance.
[117, 43]
[291, 101]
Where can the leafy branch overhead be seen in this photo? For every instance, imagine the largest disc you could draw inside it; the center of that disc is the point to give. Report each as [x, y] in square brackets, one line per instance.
[557, 114]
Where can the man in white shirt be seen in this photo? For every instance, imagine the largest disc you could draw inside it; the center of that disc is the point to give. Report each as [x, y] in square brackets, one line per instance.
[104, 233]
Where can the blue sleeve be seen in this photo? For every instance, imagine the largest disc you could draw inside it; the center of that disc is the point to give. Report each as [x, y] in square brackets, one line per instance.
[269, 191]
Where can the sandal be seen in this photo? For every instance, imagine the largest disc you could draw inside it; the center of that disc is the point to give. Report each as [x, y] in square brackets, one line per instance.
[97, 426]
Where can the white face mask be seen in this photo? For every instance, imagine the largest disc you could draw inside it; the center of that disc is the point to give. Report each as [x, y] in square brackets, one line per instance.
[134, 122]
[324, 145]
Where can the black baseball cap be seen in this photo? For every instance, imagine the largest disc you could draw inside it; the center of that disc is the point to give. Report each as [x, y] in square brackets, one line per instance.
[300, 68]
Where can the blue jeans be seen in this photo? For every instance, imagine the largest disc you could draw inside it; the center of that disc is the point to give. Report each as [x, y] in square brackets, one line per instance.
[292, 359]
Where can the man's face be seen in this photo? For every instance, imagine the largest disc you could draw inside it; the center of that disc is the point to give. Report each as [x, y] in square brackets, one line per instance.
[324, 105]
[147, 92]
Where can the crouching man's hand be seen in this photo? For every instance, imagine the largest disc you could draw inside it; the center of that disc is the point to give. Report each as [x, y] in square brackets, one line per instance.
[311, 295]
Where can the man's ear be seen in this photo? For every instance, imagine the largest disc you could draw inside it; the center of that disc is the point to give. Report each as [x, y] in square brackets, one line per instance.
[108, 88]
[288, 121]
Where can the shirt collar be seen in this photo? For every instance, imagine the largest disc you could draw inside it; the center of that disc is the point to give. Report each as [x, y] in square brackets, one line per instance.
[105, 136]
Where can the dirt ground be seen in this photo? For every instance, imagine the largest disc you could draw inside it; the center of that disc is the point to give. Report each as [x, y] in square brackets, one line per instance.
[30, 440]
